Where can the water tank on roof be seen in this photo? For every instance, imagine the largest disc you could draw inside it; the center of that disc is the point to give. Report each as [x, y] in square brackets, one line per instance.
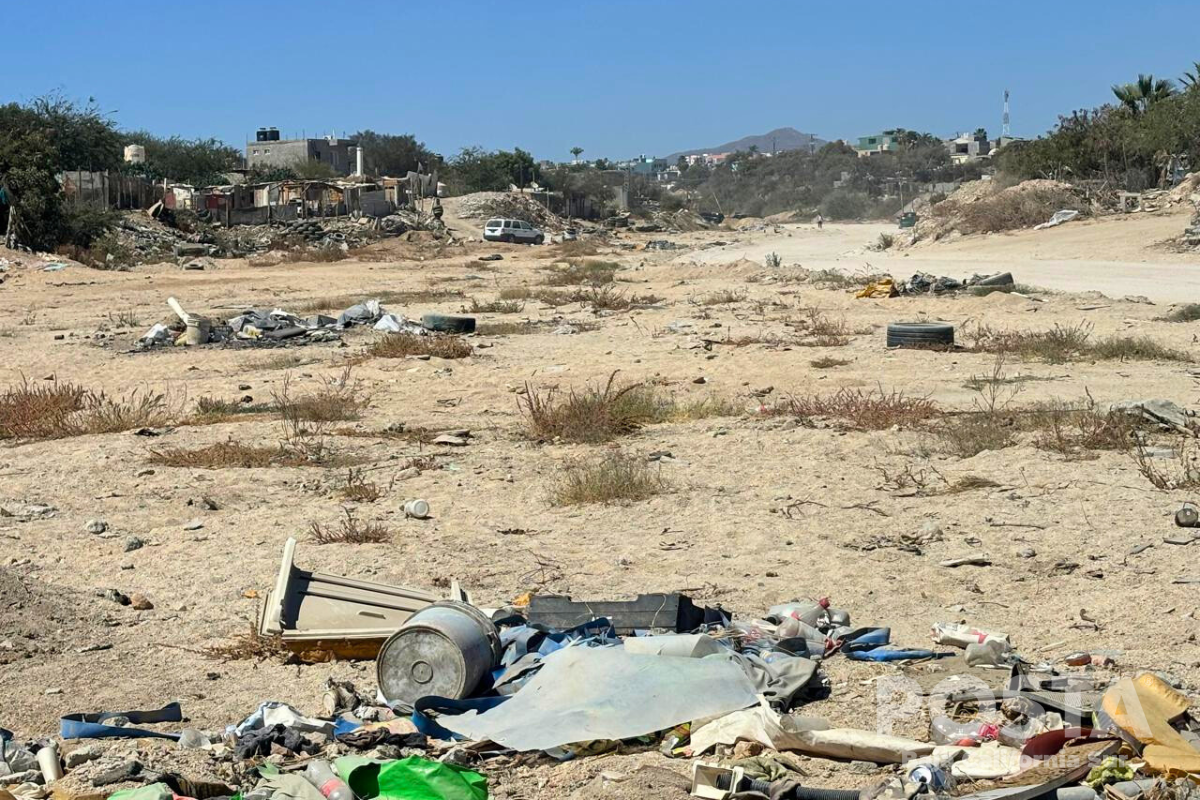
[272, 134]
[135, 154]
[261, 135]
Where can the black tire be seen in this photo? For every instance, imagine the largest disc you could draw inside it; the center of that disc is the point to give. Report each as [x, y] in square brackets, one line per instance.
[444, 323]
[920, 334]
[539, 239]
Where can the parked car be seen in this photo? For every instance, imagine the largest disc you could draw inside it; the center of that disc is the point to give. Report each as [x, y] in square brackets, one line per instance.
[512, 230]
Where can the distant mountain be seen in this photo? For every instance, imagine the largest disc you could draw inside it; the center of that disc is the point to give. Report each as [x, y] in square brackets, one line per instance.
[778, 140]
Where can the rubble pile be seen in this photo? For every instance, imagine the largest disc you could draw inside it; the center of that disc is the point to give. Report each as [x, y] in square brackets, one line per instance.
[1191, 234]
[147, 240]
[484, 205]
[461, 689]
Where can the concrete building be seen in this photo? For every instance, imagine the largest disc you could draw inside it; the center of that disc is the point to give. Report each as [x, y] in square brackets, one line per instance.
[967, 147]
[877, 143]
[339, 154]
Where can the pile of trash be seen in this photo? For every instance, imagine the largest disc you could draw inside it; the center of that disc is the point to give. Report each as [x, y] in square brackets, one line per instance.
[515, 205]
[147, 240]
[458, 685]
[1191, 235]
[926, 283]
[276, 326]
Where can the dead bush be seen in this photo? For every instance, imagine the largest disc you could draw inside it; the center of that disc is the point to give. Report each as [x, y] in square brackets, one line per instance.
[606, 298]
[211, 410]
[401, 345]
[230, 454]
[967, 435]
[1189, 312]
[251, 646]
[1076, 434]
[875, 410]
[588, 272]
[828, 362]
[1170, 474]
[614, 477]
[1057, 345]
[1135, 348]
[59, 410]
[339, 397]
[816, 329]
[356, 488]
[1008, 210]
[396, 432]
[350, 530]
[517, 293]
[495, 307]
[592, 415]
[571, 248]
[833, 279]
[384, 296]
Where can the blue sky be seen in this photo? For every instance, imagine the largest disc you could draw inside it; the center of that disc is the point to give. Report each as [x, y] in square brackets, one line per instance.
[617, 78]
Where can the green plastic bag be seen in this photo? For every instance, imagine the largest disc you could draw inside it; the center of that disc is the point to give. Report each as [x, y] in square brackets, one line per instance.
[410, 778]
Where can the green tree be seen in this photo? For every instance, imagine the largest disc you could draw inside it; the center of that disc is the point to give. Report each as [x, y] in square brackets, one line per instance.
[576, 152]
[1143, 93]
[393, 154]
[1191, 79]
[197, 162]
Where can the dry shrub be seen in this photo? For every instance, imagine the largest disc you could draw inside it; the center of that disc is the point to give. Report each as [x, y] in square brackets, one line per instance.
[229, 454]
[614, 477]
[350, 530]
[59, 410]
[875, 410]
[517, 293]
[1076, 433]
[1189, 312]
[358, 489]
[401, 345]
[396, 432]
[967, 435]
[211, 410]
[251, 645]
[1064, 343]
[496, 307]
[1009, 209]
[819, 330]
[602, 414]
[340, 397]
[828, 362]
[589, 272]
[721, 297]
[318, 255]
[1170, 474]
[833, 279]
[592, 415]
[606, 298]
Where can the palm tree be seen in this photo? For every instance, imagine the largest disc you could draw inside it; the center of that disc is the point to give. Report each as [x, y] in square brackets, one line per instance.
[1191, 80]
[576, 151]
[1145, 92]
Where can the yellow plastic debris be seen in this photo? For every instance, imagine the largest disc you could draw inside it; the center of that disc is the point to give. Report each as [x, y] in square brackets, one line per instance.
[1143, 708]
[884, 287]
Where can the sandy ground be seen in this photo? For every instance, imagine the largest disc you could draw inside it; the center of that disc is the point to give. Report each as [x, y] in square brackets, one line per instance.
[1119, 256]
[720, 533]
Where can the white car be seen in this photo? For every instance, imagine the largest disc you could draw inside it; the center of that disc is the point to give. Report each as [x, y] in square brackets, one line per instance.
[512, 230]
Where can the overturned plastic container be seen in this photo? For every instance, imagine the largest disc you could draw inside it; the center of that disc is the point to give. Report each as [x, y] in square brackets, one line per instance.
[444, 650]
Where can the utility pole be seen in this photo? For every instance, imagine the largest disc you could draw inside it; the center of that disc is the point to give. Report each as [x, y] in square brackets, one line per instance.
[1005, 128]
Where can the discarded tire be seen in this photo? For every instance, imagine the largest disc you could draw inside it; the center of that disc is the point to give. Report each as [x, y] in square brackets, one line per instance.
[920, 334]
[447, 324]
[1000, 279]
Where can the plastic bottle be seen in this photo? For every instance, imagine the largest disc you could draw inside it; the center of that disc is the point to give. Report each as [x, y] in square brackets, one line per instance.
[47, 759]
[957, 635]
[322, 776]
[810, 612]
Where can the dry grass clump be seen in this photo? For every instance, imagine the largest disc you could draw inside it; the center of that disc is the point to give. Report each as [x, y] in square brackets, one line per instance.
[875, 410]
[1170, 474]
[55, 410]
[601, 414]
[395, 432]
[832, 279]
[236, 455]
[592, 415]
[401, 345]
[819, 330]
[972, 433]
[588, 272]
[251, 646]
[498, 306]
[606, 298]
[350, 530]
[828, 362]
[1076, 434]
[531, 326]
[614, 477]
[340, 397]
[1064, 343]
[517, 293]
[357, 489]
[1189, 312]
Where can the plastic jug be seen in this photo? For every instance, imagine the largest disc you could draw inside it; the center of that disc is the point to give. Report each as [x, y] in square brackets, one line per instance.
[322, 776]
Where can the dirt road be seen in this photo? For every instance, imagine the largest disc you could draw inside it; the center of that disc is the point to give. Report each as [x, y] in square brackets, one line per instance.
[1118, 256]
